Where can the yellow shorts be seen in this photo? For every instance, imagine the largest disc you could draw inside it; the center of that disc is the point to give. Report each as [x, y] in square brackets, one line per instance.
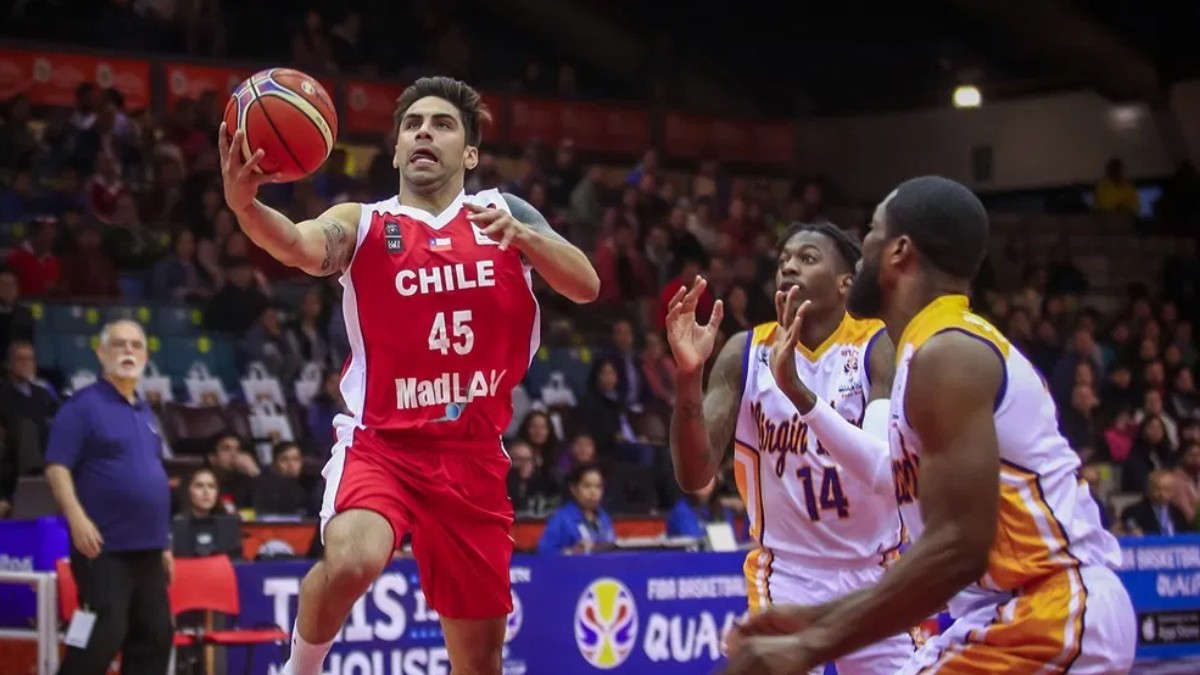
[1080, 621]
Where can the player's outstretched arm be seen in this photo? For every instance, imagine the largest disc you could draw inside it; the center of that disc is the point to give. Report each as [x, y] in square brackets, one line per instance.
[561, 263]
[862, 452]
[702, 424]
[952, 386]
[320, 247]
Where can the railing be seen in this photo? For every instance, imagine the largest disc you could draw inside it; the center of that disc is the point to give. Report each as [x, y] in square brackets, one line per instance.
[49, 75]
[46, 631]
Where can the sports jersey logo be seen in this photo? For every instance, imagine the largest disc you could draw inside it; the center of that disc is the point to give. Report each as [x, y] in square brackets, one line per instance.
[481, 238]
[447, 390]
[904, 475]
[606, 623]
[438, 244]
[512, 625]
[850, 360]
[764, 355]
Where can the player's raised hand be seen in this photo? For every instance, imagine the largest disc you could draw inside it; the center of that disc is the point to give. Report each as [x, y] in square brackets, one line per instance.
[242, 178]
[789, 311]
[691, 343]
[498, 224]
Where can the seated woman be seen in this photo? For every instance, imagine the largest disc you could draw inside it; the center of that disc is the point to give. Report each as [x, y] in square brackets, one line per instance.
[201, 528]
[580, 525]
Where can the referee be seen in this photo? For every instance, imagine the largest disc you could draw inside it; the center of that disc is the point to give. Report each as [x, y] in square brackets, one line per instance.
[104, 464]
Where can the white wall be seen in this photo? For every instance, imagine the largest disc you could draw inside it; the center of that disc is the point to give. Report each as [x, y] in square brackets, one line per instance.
[1036, 142]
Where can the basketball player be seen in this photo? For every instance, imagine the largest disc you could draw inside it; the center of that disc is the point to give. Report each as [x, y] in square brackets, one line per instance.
[793, 396]
[1004, 529]
[442, 323]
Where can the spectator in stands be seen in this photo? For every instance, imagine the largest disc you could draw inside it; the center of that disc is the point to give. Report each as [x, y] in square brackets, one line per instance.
[1187, 481]
[325, 406]
[104, 465]
[104, 187]
[563, 176]
[622, 352]
[581, 452]
[16, 320]
[658, 371]
[1121, 434]
[688, 271]
[17, 200]
[1151, 450]
[310, 47]
[1184, 400]
[1156, 514]
[538, 433]
[1065, 375]
[647, 167]
[178, 277]
[307, 334]
[1152, 406]
[695, 511]
[624, 276]
[202, 528]
[277, 490]
[235, 470]
[580, 525]
[88, 272]
[1078, 423]
[239, 303]
[530, 486]
[1115, 193]
[38, 270]
[605, 412]
[584, 209]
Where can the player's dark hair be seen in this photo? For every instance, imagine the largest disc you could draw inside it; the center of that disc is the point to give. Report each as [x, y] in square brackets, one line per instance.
[944, 219]
[848, 246]
[460, 94]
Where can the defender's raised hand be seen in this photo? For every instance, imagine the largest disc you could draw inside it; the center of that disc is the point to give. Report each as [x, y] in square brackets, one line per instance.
[790, 312]
[691, 343]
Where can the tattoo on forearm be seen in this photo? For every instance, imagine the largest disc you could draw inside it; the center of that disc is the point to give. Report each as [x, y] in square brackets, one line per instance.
[335, 245]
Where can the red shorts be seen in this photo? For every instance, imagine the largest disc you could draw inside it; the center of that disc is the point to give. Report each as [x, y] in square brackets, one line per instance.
[454, 501]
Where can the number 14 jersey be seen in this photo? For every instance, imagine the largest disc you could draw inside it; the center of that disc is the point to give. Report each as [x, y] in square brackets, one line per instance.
[804, 511]
[442, 324]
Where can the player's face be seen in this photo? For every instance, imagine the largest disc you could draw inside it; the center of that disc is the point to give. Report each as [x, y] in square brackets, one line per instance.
[868, 292]
[810, 261]
[431, 144]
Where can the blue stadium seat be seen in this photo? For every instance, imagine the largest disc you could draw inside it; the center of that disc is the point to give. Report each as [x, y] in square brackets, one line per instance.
[177, 320]
[74, 319]
[180, 353]
[139, 313]
[73, 353]
[43, 345]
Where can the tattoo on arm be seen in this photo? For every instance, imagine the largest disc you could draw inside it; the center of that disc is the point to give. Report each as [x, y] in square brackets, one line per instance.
[335, 245]
[528, 214]
[723, 398]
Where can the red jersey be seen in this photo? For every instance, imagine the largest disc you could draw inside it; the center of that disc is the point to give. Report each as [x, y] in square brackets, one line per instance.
[442, 324]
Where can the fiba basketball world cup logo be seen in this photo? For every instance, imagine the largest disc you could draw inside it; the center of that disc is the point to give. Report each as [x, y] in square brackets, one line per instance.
[606, 623]
[513, 625]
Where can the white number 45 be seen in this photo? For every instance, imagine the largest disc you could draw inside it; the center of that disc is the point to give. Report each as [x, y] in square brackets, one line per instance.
[463, 339]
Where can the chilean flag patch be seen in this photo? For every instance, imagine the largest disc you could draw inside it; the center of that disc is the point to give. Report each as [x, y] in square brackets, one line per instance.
[439, 243]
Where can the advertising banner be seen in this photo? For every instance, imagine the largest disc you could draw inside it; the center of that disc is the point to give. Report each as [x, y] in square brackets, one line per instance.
[50, 78]
[1162, 575]
[625, 612]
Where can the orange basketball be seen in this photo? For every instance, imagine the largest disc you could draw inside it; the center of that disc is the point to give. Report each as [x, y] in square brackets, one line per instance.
[289, 116]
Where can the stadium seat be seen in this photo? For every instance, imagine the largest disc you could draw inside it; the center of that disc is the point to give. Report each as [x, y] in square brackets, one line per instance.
[176, 320]
[189, 428]
[43, 345]
[74, 319]
[180, 353]
[139, 313]
[209, 584]
[73, 353]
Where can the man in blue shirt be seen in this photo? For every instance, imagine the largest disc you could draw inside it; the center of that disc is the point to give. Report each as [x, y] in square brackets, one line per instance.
[104, 464]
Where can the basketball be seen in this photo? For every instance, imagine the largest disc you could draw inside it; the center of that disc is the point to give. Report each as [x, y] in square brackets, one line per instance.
[289, 116]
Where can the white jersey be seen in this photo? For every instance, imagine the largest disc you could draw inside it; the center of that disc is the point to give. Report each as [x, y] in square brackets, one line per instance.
[1048, 521]
[803, 511]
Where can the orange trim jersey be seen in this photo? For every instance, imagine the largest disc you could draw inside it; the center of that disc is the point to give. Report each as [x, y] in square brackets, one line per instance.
[804, 512]
[1048, 522]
